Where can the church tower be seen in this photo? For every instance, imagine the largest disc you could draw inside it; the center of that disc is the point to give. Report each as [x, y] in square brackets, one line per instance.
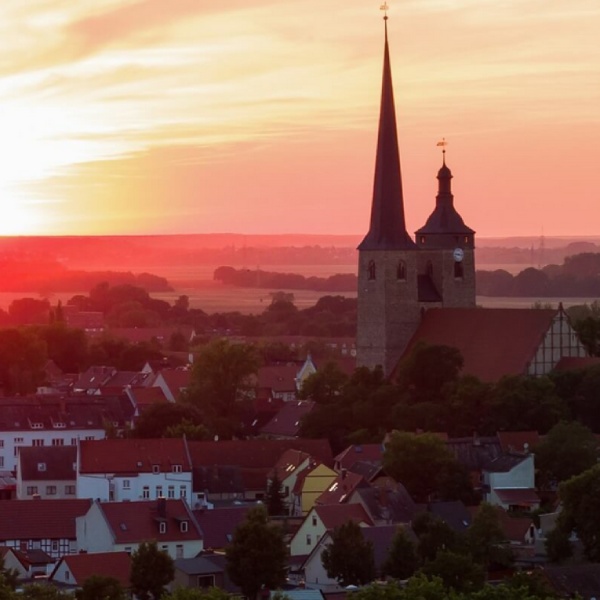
[446, 248]
[388, 303]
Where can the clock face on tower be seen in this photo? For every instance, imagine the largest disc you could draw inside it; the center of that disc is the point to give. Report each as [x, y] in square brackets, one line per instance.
[458, 254]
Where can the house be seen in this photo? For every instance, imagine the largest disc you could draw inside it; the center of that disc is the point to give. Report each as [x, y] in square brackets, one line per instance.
[161, 336]
[73, 570]
[46, 472]
[15, 561]
[144, 397]
[341, 487]
[386, 505]
[46, 525]
[55, 420]
[239, 469]
[203, 571]
[219, 524]
[172, 382]
[509, 482]
[359, 453]
[321, 519]
[288, 467]
[134, 469]
[287, 421]
[8, 485]
[122, 526]
[310, 484]
[278, 381]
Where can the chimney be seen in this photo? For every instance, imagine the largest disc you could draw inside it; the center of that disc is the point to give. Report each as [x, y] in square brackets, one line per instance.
[344, 473]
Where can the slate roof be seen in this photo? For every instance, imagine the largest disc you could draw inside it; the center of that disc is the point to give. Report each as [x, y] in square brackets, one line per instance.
[334, 515]
[381, 536]
[474, 452]
[454, 513]
[40, 519]
[392, 505]
[493, 342]
[286, 423]
[221, 479]
[133, 455]
[218, 524]
[359, 452]
[132, 522]
[504, 463]
[107, 564]
[207, 564]
[50, 462]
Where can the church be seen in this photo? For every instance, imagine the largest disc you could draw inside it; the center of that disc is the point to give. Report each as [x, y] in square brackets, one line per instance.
[422, 289]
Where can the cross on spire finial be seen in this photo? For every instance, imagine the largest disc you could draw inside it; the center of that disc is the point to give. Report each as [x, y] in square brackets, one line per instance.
[384, 7]
[443, 144]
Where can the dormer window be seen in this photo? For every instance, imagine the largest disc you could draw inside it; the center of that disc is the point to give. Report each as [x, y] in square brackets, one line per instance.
[156, 468]
[41, 466]
[177, 469]
[422, 239]
[162, 527]
[183, 526]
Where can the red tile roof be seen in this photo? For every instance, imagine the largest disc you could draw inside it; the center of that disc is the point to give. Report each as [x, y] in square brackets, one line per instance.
[493, 342]
[279, 378]
[359, 452]
[515, 528]
[133, 522]
[286, 423]
[132, 455]
[176, 379]
[571, 363]
[146, 396]
[518, 441]
[40, 519]
[288, 462]
[341, 487]
[522, 497]
[334, 515]
[106, 564]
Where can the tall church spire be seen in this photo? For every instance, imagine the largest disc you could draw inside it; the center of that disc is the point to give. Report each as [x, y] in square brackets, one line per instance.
[388, 228]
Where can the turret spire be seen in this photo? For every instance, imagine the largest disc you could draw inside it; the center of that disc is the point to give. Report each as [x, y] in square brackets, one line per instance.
[388, 227]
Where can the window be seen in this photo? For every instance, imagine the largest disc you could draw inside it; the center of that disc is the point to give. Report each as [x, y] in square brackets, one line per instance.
[69, 490]
[308, 539]
[162, 527]
[41, 467]
[67, 575]
[314, 520]
[159, 491]
[31, 490]
[422, 239]
[206, 581]
[54, 545]
[156, 468]
[179, 551]
[372, 270]
[38, 442]
[183, 526]
[51, 490]
[146, 492]
[458, 270]
[1, 461]
[18, 440]
[177, 469]
[1, 443]
[126, 484]
[58, 442]
[182, 491]
[88, 438]
[401, 271]
[171, 491]
[73, 441]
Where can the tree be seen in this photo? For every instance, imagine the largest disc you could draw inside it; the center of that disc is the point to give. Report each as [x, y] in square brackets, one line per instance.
[151, 570]
[222, 378]
[257, 555]
[39, 591]
[434, 535]
[402, 560]
[349, 557]
[558, 545]
[424, 465]
[188, 429]
[326, 385]
[457, 571]
[98, 587]
[274, 499]
[8, 577]
[211, 593]
[580, 498]
[166, 420]
[485, 538]
[568, 449]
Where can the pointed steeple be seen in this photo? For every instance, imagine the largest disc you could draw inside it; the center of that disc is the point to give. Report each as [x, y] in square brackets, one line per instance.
[388, 227]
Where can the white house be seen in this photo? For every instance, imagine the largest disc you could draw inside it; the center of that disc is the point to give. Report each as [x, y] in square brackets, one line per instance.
[122, 526]
[134, 469]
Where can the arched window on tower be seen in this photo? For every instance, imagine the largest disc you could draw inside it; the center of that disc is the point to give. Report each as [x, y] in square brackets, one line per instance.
[429, 268]
[458, 270]
[401, 271]
[371, 269]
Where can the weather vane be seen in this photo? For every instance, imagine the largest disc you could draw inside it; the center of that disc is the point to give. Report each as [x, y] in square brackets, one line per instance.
[384, 7]
[443, 143]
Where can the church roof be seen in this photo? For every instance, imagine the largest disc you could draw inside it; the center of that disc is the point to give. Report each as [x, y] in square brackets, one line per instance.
[388, 227]
[493, 342]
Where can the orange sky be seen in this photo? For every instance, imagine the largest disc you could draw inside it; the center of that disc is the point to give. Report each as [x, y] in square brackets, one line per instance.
[255, 116]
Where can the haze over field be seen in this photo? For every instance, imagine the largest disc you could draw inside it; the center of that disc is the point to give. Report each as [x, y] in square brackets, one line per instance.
[255, 116]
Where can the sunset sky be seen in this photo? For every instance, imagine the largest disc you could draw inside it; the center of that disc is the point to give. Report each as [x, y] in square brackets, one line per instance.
[255, 116]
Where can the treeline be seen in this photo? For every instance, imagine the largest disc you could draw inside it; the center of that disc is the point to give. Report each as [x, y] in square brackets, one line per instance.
[578, 276]
[50, 276]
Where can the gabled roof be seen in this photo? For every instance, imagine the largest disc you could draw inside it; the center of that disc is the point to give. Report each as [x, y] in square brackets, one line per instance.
[474, 452]
[133, 455]
[382, 537]
[45, 463]
[341, 487]
[334, 515]
[289, 462]
[219, 524]
[146, 396]
[359, 452]
[515, 528]
[385, 504]
[133, 522]
[107, 564]
[518, 441]
[207, 564]
[493, 342]
[40, 519]
[504, 463]
[286, 423]
[175, 379]
[278, 378]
